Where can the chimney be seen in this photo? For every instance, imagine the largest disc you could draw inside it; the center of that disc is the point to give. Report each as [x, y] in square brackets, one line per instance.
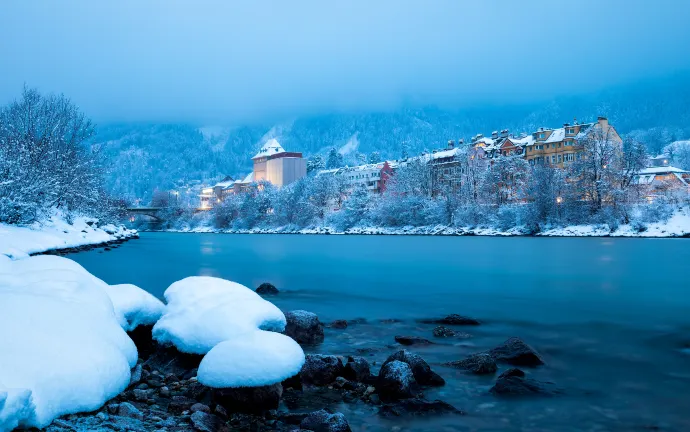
[566, 124]
[603, 122]
[575, 121]
[504, 133]
[461, 141]
[494, 134]
[451, 144]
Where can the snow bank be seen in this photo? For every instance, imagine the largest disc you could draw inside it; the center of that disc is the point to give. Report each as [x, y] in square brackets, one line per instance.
[134, 306]
[55, 233]
[255, 359]
[204, 311]
[62, 349]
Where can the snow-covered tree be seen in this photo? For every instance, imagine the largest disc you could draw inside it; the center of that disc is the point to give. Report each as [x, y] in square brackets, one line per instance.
[335, 159]
[374, 157]
[315, 164]
[45, 161]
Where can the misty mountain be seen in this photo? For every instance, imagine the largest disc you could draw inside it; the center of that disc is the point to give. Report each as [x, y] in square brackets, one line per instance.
[144, 157]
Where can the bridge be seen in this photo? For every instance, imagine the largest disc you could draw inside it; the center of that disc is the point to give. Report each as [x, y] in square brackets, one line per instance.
[151, 212]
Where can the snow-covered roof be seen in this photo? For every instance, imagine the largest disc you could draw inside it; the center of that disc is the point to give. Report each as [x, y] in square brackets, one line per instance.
[271, 148]
[556, 136]
[248, 179]
[662, 170]
[225, 183]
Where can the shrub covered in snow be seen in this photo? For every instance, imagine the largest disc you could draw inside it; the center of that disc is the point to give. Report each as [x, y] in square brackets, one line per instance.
[66, 348]
[134, 306]
[204, 311]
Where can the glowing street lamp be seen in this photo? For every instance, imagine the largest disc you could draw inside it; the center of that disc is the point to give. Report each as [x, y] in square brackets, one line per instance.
[559, 200]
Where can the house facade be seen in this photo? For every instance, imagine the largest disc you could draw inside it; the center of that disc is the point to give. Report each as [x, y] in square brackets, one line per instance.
[277, 166]
[372, 177]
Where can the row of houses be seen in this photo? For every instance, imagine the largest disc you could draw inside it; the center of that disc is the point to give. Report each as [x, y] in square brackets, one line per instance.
[557, 147]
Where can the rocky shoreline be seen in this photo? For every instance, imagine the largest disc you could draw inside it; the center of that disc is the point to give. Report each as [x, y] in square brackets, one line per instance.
[164, 394]
[106, 246]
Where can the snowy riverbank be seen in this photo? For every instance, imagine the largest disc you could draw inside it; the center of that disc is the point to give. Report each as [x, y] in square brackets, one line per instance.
[677, 225]
[56, 233]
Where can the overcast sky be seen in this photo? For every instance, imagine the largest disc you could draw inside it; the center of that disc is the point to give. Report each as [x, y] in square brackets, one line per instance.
[236, 61]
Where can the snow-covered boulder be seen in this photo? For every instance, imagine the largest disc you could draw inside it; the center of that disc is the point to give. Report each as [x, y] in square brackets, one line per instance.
[134, 306]
[255, 359]
[202, 312]
[62, 349]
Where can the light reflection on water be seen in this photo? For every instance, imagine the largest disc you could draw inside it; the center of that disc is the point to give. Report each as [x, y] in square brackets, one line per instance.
[612, 323]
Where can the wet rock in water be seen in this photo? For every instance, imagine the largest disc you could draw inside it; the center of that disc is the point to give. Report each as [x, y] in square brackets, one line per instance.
[250, 400]
[514, 383]
[452, 319]
[338, 324]
[267, 289]
[304, 327]
[412, 340]
[168, 360]
[205, 422]
[516, 352]
[390, 321]
[323, 421]
[395, 381]
[200, 407]
[421, 369]
[126, 409]
[320, 369]
[478, 364]
[417, 407]
[357, 369]
[445, 332]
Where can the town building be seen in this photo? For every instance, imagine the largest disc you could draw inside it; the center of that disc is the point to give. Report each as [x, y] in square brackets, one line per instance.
[277, 166]
[662, 180]
[272, 164]
[372, 177]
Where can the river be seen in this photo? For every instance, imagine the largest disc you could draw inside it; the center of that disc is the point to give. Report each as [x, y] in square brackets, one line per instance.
[610, 316]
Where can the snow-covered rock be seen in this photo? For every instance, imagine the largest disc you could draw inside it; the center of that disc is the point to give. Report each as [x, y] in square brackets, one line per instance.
[134, 306]
[205, 311]
[62, 349]
[55, 233]
[258, 358]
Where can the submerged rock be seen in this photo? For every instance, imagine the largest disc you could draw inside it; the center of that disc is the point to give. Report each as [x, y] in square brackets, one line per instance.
[304, 327]
[445, 332]
[417, 407]
[452, 319]
[421, 370]
[357, 369]
[479, 364]
[513, 382]
[395, 381]
[323, 421]
[338, 324]
[516, 352]
[254, 400]
[412, 340]
[320, 369]
[267, 289]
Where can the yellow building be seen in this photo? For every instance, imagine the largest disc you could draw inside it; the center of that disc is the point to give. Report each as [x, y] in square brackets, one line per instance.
[559, 147]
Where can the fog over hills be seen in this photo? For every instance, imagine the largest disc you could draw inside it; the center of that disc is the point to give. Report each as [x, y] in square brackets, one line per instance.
[146, 156]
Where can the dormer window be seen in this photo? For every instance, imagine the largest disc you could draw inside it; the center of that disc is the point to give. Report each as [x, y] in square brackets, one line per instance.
[570, 131]
[542, 135]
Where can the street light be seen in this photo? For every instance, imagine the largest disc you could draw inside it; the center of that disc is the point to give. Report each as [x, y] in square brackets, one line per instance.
[559, 200]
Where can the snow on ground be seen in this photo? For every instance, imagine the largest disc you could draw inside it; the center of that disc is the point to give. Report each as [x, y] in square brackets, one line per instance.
[55, 233]
[61, 343]
[677, 226]
[204, 311]
[134, 306]
[255, 359]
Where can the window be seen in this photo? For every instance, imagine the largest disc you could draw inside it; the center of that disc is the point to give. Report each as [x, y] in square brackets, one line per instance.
[547, 146]
[542, 135]
[567, 143]
[559, 145]
[553, 158]
[560, 158]
[571, 131]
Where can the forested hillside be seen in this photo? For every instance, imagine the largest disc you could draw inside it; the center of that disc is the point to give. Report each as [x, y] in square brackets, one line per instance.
[149, 156]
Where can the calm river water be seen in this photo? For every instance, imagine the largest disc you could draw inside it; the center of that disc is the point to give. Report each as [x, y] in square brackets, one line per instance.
[610, 316]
